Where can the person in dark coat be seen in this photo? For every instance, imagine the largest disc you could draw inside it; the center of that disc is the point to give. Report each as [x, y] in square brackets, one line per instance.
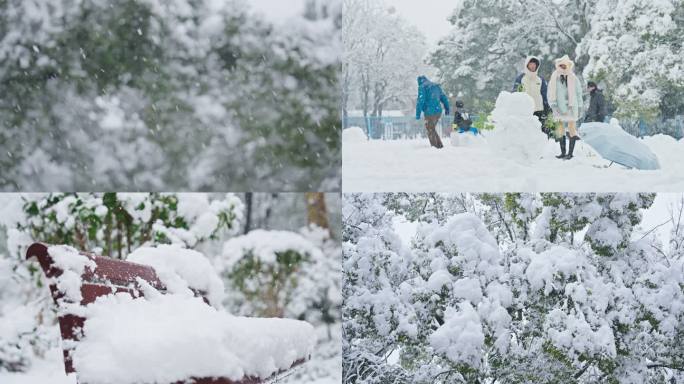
[429, 103]
[462, 121]
[597, 104]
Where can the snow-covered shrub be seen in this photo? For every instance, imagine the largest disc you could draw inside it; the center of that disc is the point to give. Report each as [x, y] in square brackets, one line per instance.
[608, 218]
[266, 267]
[318, 297]
[113, 224]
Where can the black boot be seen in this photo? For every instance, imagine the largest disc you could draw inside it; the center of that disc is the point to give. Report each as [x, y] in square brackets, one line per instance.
[573, 140]
[562, 146]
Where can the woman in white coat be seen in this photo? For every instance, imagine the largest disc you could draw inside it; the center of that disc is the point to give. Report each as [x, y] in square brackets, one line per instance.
[565, 98]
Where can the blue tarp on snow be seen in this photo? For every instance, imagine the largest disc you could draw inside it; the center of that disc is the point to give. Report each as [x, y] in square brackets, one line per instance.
[616, 145]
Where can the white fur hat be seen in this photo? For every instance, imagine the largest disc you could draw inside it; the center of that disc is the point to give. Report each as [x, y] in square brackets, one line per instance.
[565, 60]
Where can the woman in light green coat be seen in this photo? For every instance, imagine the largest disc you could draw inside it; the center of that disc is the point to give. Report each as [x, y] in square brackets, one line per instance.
[565, 98]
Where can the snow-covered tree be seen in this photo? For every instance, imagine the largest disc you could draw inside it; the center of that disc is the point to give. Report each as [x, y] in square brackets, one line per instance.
[374, 265]
[490, 39]
[631, 48]
[634, 47]
[383, 55]
[570, 296]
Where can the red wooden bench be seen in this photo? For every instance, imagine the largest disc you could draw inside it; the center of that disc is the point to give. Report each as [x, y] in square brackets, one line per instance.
[109, 276]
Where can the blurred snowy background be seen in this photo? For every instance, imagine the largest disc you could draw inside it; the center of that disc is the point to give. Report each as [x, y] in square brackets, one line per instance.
[149, 95]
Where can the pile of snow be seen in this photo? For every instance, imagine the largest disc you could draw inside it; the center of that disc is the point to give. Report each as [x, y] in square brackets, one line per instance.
[572, 332]
[265, 245]
[468, 288]
[73, 263]
[517, 132]
[439, 279]
[171, 338]
[180, 269]
[48, 369]
[477, 249]
[669, 151]
[354, 135]
[460, 338]
[466, 139]
[544, 267]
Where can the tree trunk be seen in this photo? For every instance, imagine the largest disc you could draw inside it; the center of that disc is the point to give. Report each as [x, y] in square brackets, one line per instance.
[248, 211]
[316, 210]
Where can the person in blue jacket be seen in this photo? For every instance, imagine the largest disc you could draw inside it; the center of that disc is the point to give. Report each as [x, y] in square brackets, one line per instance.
[429, 103]
[536, 87]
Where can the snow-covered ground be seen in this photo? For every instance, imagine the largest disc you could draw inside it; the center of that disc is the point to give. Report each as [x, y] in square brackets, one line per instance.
[325, 366]
[510, 158]
[48, 370]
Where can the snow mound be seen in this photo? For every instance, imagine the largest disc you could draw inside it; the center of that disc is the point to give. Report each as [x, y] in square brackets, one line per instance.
[265, 246]
[460, 338]
[477, 249]
[513, 104]
[517, 133]
[354, 135]
[171, 338]
[576, 334]
[73, 263]
[544, 267]
[466, 139]
[439, 279]
[179, 269]
[669, 151]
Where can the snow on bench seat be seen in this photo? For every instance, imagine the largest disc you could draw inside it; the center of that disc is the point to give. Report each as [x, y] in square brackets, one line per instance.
[119, 327]
[168, 338]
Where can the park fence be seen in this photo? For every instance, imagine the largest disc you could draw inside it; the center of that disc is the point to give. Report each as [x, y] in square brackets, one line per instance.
[405, 127]
[395, 128]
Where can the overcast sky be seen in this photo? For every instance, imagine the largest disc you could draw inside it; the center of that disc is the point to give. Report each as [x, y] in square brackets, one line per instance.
[429, 16]
[659, 213]
[278, 10]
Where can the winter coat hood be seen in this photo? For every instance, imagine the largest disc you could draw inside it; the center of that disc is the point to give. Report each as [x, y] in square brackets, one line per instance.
[564, 60]
[527, 61]
[422, 80]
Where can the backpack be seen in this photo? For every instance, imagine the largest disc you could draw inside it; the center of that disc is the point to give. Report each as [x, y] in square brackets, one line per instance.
[462, 119]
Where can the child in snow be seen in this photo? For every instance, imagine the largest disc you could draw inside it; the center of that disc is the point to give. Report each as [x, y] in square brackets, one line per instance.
[462, 122]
